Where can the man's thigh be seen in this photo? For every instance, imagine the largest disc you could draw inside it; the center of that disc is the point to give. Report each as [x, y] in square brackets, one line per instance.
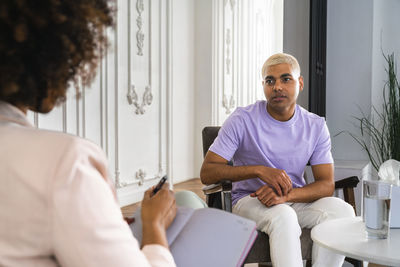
[327, 208]
[253, 209]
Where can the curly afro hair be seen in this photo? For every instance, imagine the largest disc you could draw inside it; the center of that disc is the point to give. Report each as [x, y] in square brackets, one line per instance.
[46, 44]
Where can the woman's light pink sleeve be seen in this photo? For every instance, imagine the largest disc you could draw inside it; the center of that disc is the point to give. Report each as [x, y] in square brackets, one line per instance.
[88, 227]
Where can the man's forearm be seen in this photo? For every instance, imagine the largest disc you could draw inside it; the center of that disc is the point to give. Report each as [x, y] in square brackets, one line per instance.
[312, 192]
[214, 172]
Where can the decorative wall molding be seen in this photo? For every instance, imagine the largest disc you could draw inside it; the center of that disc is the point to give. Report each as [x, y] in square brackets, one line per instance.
[132, 95]
[233, 3]
[243, 35]
[138, 179]
[147, 99]
[36, 119]
[103, 99]
[139, 22]
[64, 115]
[77, 110]
[83, 111]
[101, 111]
[116, 125]
[140, 176]
[228, 43]
[229, 17]
[169, 87]
[228, 105]
[106, 103]
[216, 56]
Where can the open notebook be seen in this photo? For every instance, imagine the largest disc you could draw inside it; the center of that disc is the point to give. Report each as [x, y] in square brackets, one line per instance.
[206, 237]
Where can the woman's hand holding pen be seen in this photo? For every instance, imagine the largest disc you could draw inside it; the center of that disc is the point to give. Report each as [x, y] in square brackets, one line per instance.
[158, 212]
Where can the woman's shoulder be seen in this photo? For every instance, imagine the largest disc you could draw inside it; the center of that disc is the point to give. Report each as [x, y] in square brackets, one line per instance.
[58, 146]
[75, 145]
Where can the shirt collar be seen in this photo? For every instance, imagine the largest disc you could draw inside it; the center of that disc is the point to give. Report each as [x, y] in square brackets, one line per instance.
[290, 122]
[13, 114]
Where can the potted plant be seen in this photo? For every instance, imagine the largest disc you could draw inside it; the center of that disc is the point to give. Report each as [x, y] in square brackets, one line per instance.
[380, 131]
[380, 134]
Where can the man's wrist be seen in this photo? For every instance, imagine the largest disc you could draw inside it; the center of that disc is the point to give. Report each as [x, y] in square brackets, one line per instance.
[258, 170]
[289, 196]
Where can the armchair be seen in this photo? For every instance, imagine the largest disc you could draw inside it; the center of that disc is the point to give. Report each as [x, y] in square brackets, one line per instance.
[219, 196]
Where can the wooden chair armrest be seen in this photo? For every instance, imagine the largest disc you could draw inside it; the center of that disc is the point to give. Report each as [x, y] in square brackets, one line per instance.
[349, 182]
[212, 188]
[223, 186]
[348, 185]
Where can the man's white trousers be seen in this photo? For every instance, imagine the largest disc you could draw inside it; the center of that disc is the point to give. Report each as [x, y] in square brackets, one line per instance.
[283, 224]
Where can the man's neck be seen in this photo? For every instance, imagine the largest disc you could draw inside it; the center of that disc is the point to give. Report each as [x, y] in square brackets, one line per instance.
[283, 115]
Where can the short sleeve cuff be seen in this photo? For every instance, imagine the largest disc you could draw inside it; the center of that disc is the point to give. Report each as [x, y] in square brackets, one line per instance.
[319, 160]
[226, 156]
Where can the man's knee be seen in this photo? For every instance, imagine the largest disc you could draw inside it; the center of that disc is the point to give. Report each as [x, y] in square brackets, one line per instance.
[336, 208]
[284, 219]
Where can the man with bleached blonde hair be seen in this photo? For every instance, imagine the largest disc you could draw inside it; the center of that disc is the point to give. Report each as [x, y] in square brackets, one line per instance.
[270, 143]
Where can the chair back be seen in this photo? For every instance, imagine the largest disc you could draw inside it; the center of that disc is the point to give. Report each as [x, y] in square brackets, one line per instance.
[221, 199]
[209, 134]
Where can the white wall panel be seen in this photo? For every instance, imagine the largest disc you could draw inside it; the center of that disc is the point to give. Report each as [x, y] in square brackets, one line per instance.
[183, 88]
[91, 112]
[139, 103]
[203, 74]
[245, 34]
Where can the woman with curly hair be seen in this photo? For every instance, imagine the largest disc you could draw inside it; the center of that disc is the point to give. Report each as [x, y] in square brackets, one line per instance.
[57, 204]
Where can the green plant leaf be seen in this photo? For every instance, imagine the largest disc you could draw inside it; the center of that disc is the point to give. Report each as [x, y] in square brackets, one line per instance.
[380, 131]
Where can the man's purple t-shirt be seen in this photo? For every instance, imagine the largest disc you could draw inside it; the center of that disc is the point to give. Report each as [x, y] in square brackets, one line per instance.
[250, 136]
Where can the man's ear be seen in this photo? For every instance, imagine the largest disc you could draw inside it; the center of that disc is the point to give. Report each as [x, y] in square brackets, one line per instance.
[301, 83]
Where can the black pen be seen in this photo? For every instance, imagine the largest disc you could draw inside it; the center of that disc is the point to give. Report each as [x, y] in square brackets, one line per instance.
[160, 184]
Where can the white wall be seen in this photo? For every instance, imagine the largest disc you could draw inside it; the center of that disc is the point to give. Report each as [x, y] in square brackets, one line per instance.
[296, 35]
[203, 76]
[386, 38]
[349, 66]
[357, 30]
[183, 82]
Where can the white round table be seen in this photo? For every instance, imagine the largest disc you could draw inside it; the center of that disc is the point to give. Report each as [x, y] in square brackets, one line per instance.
[348, 237]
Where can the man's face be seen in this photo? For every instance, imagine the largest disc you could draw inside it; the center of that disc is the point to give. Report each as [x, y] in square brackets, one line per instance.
[281, 88]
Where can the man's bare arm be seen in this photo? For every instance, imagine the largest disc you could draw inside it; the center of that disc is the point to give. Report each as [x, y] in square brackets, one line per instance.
[323, 186]
[215, 169]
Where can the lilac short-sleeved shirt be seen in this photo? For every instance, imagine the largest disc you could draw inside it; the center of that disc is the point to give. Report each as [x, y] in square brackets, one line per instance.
[250, 136]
